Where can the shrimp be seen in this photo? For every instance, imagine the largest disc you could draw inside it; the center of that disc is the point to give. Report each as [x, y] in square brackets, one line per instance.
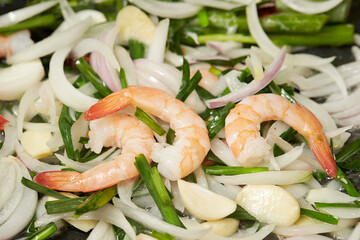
[15, 42]
[121, 130]
[243, 123]
[191, 142]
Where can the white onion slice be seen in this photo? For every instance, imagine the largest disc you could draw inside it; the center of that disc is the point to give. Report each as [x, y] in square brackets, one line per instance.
[125, 190]
[156, 50]
[143, 217]
[329, 195]
[127, 64]
[226, 5]
[311, 7]
[32, 163]
[289, 157]
[355, 233]
[221, 189]
[24, 13]
[253, 87]
[200, 178]
[100, 231]
[51, 43]
[269, 177]
[341, 212]
[222, 151]
[176, 10]
[66, 11]
[62, 88]
[340, 105]
[309, 237]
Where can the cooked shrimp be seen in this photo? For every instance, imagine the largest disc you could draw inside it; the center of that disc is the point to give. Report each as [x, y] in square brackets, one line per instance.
[123, 131]
[207, 79]
[191, 142]
[15, 42]
[243, 123]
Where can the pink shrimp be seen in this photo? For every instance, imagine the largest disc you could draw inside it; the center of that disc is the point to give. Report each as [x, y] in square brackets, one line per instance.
[191, 143]
[15, 42]
[243, 123]
[126, 132]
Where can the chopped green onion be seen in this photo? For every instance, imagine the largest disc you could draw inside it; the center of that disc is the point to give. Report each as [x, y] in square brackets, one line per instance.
[123, 80]
[170, 136]
[346, 183]
[187, 87]
[185, 71]
[44, 232]
[218, 123]
[227, 170]
[336, 205]
[145, 118]
[281, 91]
[203, 18]
[348, 151]
[241, 214]
[63, 205]
[351, 165]
[204, 94]
[324, 217]
[96, 201]
[65, 124]
[215, 71]
[226, 63]
[162, 236]
[136, 49]
[119, 233]
[157, 190]
[92, 76]
[42, 189]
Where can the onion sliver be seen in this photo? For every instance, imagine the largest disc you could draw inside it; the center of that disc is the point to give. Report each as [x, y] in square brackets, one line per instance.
[24, 211]
[19, 15]
[51, 44]
[62, 88]
[329, 195]
[355, 233]
[100, 231]
[16, 79]
[142, 216]
[253, 87]
[176, 10]
[8, 146]
[156, 50]
[226, 5]
[270, 177]
[127, 64]
[311, 7]
[222, 151]
[341, 212]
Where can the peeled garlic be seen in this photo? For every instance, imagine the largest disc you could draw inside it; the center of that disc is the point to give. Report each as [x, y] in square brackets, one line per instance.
[269, 204]
[203, 203]
[134, 24]
[35, 143]
[223, 227]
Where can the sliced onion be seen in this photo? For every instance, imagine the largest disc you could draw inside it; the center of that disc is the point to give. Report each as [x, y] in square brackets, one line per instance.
[51, 43]
[226, 5]
[357, 39]
[16, 79]
[125, 190]
[341, 212]
[100, 231]
[127, 64]
[355, 233]
[32, 163]
[309, 237]
[176, 10]
[340, 105]
[259, 235]
[270, 177]
[225, 47]
[289, 157]
[329, 195]
[355, 50]
[173, 58]
[311, 7]
[62, 88]
[8, 146]
[221, 189]
[177, 201]
[21, 14]
[156, 50]
[222, 151]
[253, 87]
[143, 217]
[66, 11]
[200, 178]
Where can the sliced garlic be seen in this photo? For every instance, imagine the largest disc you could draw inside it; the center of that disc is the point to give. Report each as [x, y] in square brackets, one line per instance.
[269, 204]
[223, 227]
[134, 24]
[203, 203]
[35, 143]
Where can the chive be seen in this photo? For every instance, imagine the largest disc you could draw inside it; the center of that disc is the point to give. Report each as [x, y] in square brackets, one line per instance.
[63, 205]
[346, 183]
[204, 94]
[218, 123]
[336, 205]
[162, 236]
[226, 170]
[241, 214]
[31, 227]
[225, 63]
[212, 157]
[324, 217]
[157, 190]
[92, 76]
[65, 124]
[287, 136]
[185, 71]
[42, 189]
[353, 164]
[96, 201]
[44, 232]
[84, 140]
[215, 71]
[145, 118]
[170, 136]
[136, 49]
[123, 80]
[203, 18]
[348, 151]
[281, 91]
[187, 87]
[119, 233]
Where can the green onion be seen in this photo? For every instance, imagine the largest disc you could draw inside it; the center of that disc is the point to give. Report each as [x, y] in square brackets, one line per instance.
[203, 18]
[346, 183]
[215, 71]
[185, 71]
[336, 205]
[119, 233]
[287, 136]
[157, 190]
[187, 87]
[92, 76]
[226, 170]
[42, 189]
[96, 201]
[170, 136]
[123, 80]
[241, 214]
[227, 63]
[44, 232]
[212, 157]
[63, 205]
[136, 49]
[348, 151]
[65, 124]
[145, 118]
[351, 165]
[218, 123]
[204, 94]
[319, 216]
[281, 91]
[162, 236]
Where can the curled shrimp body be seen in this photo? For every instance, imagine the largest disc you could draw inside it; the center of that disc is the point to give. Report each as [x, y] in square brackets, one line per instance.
[242, 127]
[191, 142]
[123, 131]
[14, 42]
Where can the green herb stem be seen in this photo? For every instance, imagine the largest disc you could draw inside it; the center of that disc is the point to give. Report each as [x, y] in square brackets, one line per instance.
[320, 216]
[336, 205]
[347, 152]
[145, 118]
[218, 123]
[227, 170]
[136, 49]
[44, 232]
[123, 80]
[42, 189]
[63, 205]
[241, 214]
[186, 88]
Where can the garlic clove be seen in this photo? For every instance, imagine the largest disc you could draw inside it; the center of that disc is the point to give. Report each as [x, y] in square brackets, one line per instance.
[224, 227]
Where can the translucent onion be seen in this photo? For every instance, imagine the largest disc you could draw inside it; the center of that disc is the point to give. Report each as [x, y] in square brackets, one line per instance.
[156, 50]
[340, 105]
[100, 231]
[221, 189]
[289, 157]
[222, 151]
[127, 64]
[176, 10]
[311, 7]
[343, 212]
[125, 190]
[201, 178]
[329, 195]
[226, 5]
[309, 237]
[8, 146]
[355, 233]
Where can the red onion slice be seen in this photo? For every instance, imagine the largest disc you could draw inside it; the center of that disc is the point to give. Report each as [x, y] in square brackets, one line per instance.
[253, 87]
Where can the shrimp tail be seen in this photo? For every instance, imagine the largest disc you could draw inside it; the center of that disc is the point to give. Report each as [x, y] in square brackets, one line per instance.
[60, 180]
[322, 152]
[110, 104]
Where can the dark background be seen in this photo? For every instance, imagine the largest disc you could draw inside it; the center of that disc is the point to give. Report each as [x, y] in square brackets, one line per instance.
[343, 55]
